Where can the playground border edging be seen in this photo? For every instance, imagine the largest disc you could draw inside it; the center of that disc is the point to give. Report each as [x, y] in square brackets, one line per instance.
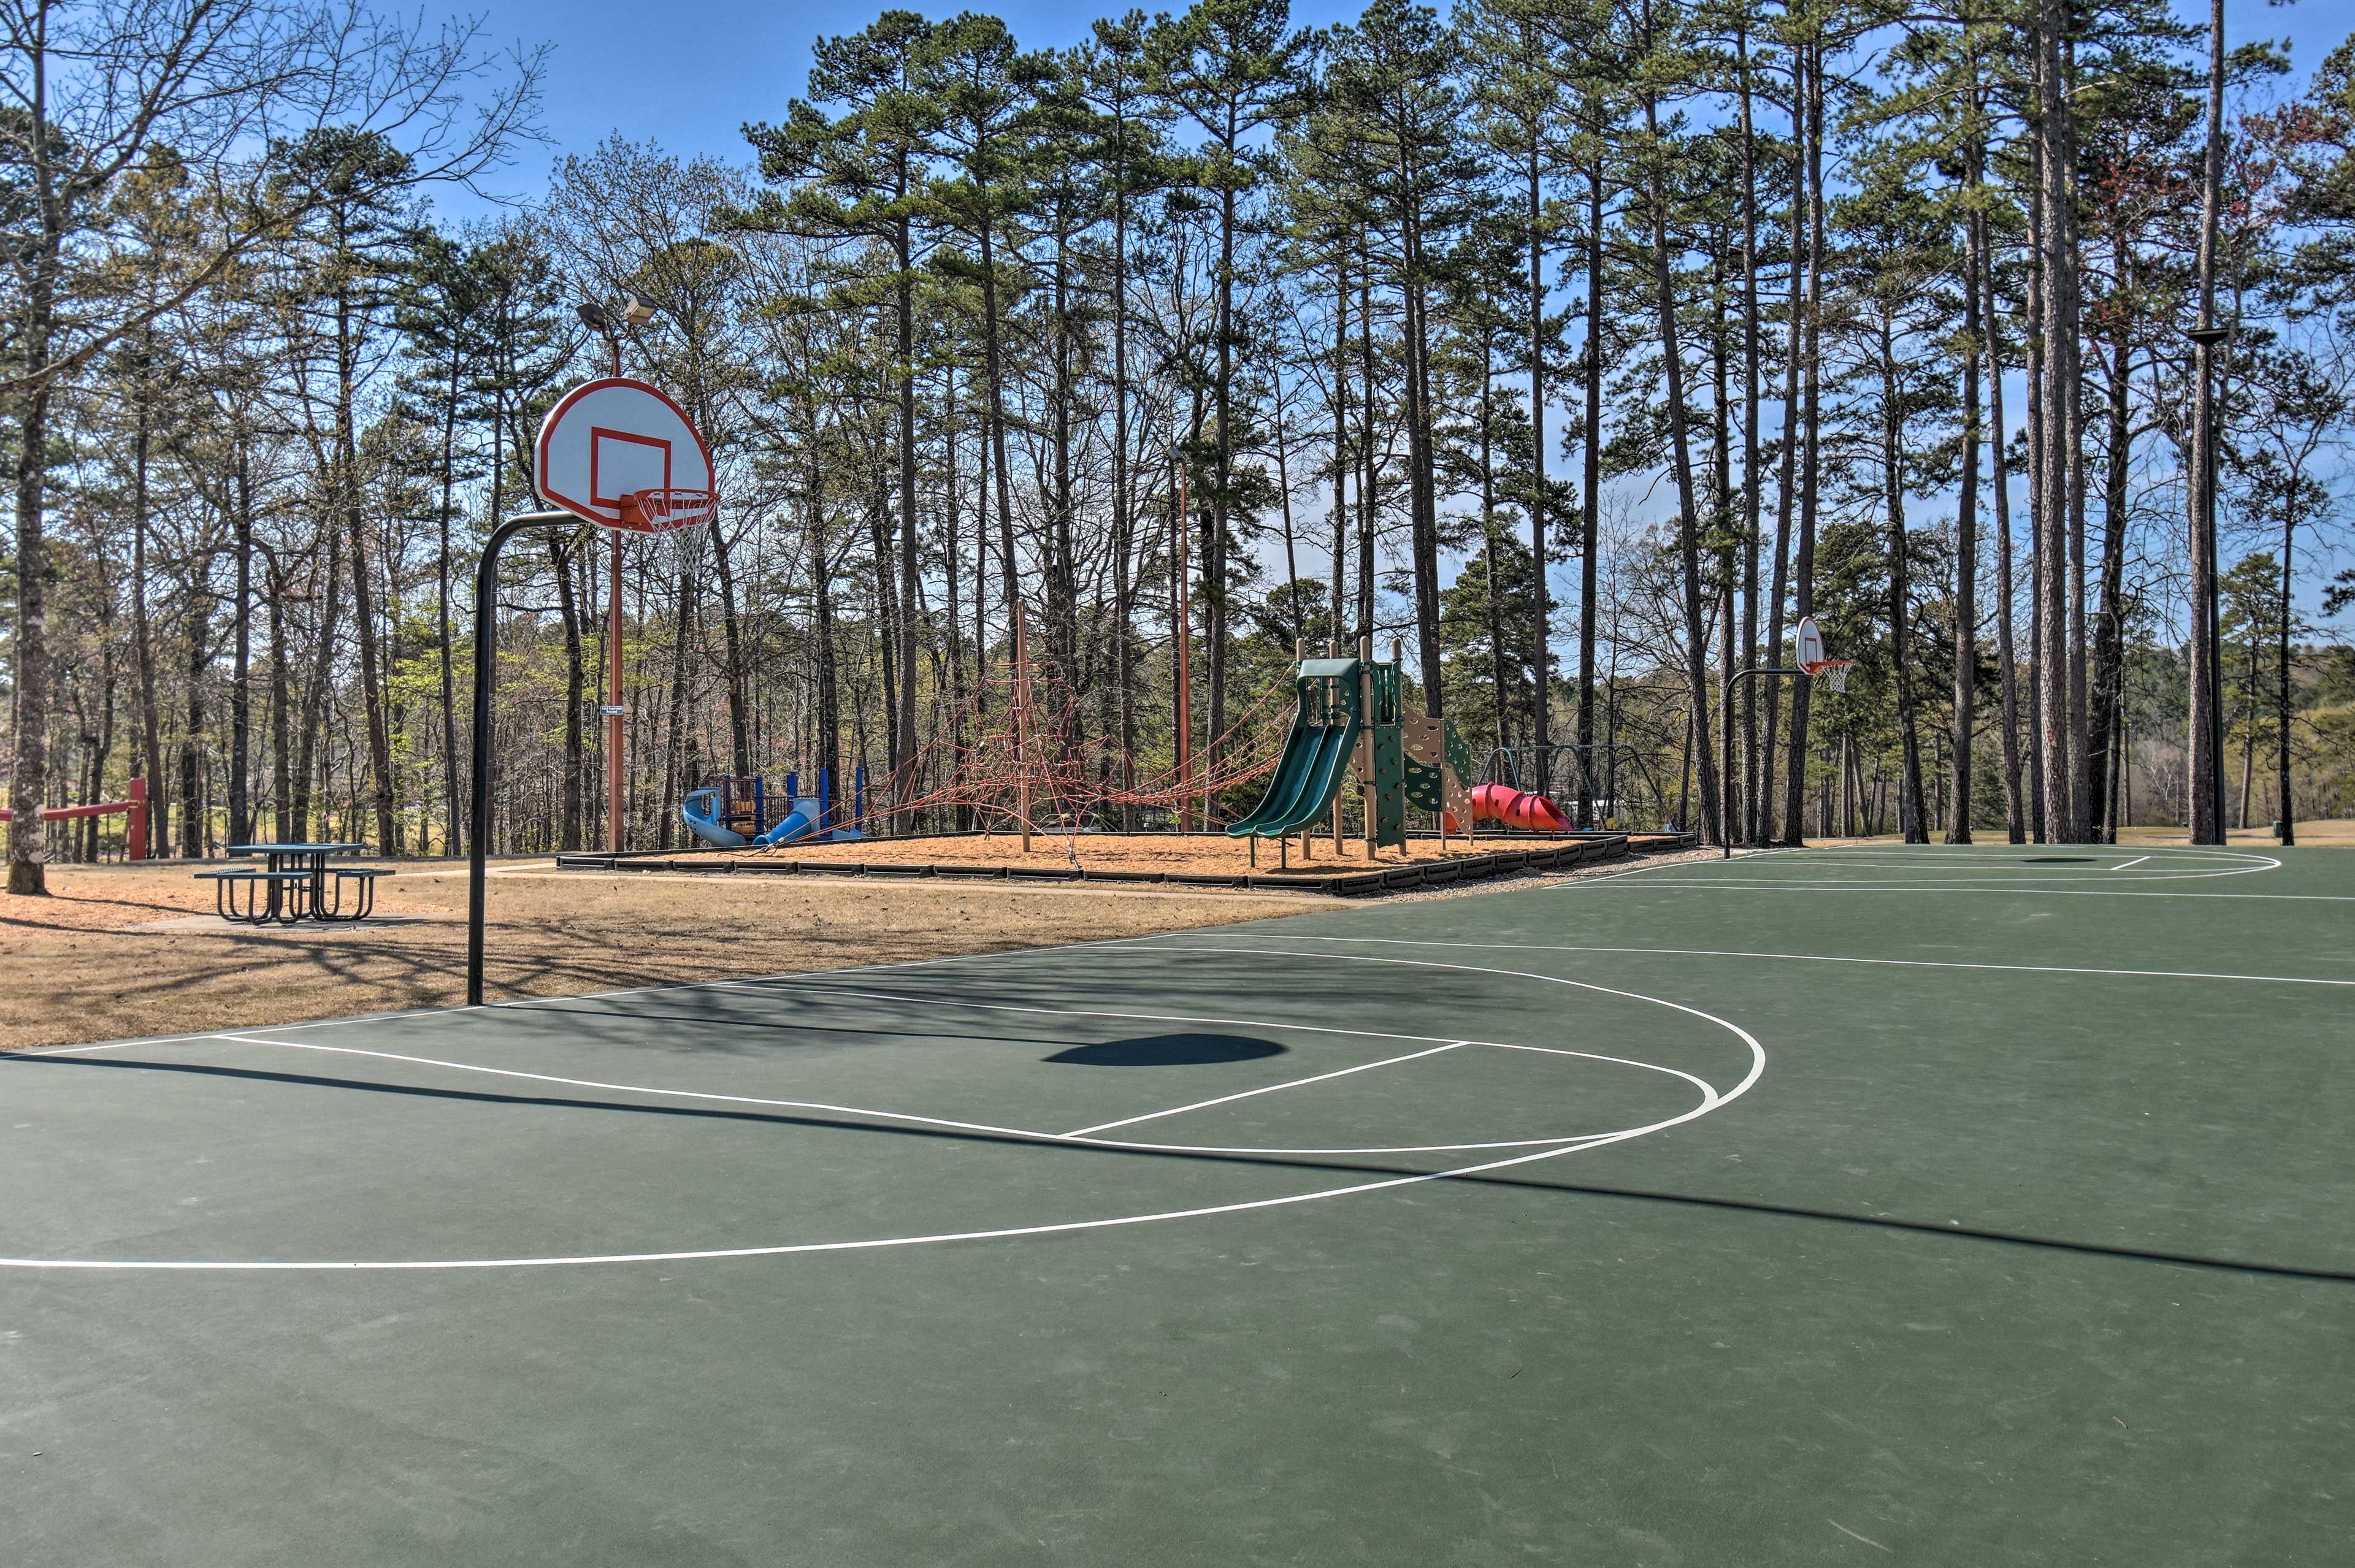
[1586, 848]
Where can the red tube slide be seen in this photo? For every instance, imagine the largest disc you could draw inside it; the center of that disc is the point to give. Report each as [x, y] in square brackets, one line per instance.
[1516, 808]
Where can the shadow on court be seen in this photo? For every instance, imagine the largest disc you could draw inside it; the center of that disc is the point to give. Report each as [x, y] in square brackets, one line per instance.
[1168, 1050]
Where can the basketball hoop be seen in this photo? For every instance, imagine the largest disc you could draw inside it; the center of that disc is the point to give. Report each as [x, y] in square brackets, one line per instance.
[624, 455]
[658, 509]
[1811, 661]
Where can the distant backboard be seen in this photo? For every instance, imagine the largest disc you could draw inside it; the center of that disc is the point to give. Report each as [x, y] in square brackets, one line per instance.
[621, 453]
[1810, 644]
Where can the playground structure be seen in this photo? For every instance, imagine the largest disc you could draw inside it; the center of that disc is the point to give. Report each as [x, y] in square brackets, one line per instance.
[132, 810]
[729, 812]
[1350, 712]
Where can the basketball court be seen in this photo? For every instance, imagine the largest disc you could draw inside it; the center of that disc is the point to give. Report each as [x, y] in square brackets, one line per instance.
[1942, 1205]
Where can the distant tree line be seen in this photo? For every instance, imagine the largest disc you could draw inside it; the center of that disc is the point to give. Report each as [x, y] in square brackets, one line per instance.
[1580, 349]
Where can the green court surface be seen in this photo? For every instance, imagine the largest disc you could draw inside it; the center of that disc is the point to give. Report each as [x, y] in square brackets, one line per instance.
[1936, 1206]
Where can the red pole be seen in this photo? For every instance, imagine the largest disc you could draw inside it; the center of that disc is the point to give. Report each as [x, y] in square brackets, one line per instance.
[134, 837]
[613, 804]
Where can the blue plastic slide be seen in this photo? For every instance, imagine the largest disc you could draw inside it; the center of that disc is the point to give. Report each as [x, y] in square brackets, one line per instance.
[697, 809]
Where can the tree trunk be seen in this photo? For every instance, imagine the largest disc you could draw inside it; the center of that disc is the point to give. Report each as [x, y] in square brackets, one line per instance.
[453, 805]
[2015, 810]
[1590, 499]
[2283, 711]
[1967, 547]
[2059, 538]
[1793, 802]
[1542, 610]
[1803, 691]
[241, 689]
[2110, 631]
[2207, 807]
[903, 734]
[1687, 500]
[1893, 458]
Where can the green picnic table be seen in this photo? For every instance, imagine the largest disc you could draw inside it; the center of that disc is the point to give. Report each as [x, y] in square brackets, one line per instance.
[295, 883]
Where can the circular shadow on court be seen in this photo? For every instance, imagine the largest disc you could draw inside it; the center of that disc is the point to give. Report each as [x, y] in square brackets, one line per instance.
[1168, 1050]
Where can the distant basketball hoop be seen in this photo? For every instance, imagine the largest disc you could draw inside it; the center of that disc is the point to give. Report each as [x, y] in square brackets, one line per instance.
[620, 454]
[1811, 661]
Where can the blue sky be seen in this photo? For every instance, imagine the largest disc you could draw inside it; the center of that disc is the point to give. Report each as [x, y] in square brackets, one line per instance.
[689, 76]
[690, 84]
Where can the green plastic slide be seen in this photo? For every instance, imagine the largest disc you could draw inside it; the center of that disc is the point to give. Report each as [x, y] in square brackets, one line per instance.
[1315, 752]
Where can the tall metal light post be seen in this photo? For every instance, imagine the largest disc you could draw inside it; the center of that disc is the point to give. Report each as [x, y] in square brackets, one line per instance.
[636, 311]
[2206, 620]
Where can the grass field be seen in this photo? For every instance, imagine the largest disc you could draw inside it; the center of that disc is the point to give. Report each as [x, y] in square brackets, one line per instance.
[1938, 1206]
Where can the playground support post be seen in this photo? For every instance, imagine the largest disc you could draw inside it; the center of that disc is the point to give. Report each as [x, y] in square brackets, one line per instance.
[1726, 816]
[1366, 740]
[478, 829]
[1332, 650]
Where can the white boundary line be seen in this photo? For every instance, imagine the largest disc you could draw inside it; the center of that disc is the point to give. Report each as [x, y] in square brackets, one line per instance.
[1270, 1089]
[1708, 1092]
[1834, 958]
[1573, 1144]
[1960, 874]
[2123, 864]
[1780, 887]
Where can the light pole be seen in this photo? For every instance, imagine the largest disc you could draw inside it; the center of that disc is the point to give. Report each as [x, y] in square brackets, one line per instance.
[2207, 621]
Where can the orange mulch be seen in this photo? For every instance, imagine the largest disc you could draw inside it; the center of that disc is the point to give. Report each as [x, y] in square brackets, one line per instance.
[1208, 853]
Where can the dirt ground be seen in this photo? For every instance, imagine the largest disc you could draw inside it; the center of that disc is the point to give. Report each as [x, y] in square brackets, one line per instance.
[79, 968]
[1210, 853]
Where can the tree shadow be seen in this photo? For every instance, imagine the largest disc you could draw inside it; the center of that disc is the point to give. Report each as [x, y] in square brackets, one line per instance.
[1168, 1050]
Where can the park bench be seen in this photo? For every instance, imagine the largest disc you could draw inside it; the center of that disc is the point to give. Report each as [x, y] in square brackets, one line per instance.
[282, 896]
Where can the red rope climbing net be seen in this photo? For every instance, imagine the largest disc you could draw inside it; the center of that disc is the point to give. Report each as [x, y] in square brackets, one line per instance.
[1025, 750]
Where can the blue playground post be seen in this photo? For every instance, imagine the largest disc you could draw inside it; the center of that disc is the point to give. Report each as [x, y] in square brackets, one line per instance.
[760, 806]
[858, 798]
[825, 800]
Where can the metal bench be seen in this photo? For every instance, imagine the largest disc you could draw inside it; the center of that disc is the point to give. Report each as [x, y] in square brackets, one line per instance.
[363, 897]
[282, 896]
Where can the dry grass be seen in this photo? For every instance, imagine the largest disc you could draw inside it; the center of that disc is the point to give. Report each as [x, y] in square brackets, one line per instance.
[77, 970]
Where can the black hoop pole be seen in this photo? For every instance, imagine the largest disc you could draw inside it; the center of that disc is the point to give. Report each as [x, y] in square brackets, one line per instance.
[1725, 716]
[478, 830]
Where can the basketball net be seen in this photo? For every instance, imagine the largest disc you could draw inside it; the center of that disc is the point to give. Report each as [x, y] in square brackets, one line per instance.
[1833, 673]
[655, 510]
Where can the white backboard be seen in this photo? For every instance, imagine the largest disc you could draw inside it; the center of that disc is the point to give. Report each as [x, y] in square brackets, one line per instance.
[1810, 644]
[608, 439]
